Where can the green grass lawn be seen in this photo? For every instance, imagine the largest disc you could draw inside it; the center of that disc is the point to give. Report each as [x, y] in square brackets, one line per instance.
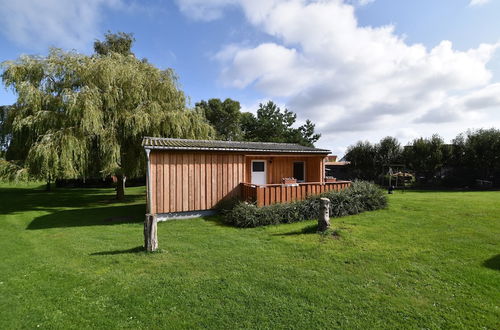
[72, 258]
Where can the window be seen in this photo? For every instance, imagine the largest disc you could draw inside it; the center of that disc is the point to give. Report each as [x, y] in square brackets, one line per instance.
[298, 171]
[258, 167]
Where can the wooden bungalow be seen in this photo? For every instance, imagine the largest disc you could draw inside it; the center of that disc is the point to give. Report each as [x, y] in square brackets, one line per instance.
[190, 177]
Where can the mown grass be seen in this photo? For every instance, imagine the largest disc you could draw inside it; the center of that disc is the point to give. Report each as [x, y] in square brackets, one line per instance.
[72, 258]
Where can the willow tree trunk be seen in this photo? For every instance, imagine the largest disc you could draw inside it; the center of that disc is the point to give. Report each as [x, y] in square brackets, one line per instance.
[120, 186]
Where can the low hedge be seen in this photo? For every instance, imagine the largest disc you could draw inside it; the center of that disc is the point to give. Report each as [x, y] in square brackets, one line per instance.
[359, 197]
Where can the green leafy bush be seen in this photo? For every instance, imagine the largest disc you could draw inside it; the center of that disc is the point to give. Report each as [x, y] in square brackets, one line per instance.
[361, 196]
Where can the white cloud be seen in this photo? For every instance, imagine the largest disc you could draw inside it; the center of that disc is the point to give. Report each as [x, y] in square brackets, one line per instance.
[350, 78]
[478, 2]
[362, 2]
[37, 24]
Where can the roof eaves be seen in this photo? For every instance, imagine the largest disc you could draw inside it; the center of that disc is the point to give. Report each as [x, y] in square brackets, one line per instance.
[315, 151]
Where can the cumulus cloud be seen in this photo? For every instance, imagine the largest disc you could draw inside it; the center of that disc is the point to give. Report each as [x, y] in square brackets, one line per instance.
[478, 2]
[37, 24]
[352, 78]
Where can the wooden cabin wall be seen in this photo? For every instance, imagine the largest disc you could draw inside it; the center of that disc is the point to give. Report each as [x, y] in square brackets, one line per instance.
[191, 181]
[282, 167]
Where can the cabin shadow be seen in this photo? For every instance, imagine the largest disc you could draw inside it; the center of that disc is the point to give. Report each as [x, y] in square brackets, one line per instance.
[493, 262]
[97, 216]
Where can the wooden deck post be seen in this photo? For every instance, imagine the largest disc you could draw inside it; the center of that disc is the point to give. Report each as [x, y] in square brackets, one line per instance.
[150, 236]
[324, 214]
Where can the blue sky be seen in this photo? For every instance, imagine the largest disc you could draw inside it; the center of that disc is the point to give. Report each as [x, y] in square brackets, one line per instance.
[361, 69]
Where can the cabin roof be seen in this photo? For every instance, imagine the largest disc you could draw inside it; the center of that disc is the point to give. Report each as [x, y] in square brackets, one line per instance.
[215, 145]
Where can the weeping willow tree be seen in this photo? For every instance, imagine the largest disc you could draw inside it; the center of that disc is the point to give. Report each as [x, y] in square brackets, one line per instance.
[79, 115]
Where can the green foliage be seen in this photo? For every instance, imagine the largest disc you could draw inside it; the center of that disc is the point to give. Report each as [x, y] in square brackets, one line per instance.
[274, 125]
[225, 117]
[426, 156]
[481, 151]
[78, 116]
[362, 160]
[368, 161]
[12, 171]
[360, 197]
[388, 152]
[120, 43]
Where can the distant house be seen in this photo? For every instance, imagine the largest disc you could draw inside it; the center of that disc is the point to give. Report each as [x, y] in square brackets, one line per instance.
[190, 177]
[335, 168]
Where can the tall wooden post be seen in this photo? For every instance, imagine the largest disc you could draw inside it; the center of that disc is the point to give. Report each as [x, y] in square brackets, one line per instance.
[324, 214]
[150, 222]
[150, 236]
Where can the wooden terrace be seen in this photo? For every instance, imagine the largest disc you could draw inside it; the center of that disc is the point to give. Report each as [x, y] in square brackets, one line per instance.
[268, 194]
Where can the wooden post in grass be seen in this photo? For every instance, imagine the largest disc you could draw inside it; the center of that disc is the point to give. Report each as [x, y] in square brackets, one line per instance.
[150, 236]
[324, 214]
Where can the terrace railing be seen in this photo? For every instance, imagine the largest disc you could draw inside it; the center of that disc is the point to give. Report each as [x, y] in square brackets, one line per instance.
[269, 194]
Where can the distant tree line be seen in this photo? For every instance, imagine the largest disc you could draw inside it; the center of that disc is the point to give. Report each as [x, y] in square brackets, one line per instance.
[472, 156]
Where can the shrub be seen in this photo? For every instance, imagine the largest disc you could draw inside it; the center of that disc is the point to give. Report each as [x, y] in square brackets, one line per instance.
[359, 197]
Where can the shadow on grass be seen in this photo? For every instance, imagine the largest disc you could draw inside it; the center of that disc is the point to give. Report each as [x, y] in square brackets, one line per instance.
[493, 262]
[23, 199]
[138, 249]
[97, 216]
[311, 229]
[217, 221]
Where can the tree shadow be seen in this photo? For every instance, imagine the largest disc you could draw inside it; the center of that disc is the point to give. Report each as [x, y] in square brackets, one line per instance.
[311, 229]
[23, 199]
[97, 216]
[493, 262]
[137, 249]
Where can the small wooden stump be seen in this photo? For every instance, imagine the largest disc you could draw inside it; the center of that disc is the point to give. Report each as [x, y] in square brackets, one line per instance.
[324, 214]
[150, 236]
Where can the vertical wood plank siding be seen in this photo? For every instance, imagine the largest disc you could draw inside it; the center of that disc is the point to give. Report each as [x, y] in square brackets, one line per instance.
[183, 181]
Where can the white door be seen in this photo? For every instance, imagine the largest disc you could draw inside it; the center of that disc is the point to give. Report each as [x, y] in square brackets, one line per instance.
[259, 172]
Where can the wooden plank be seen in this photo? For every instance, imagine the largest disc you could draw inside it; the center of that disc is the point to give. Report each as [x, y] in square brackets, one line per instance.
[171, 186]
[225, 176]
[184, 182]
[208, 167]
[166, 182]
[272, 198]
[215, 179]
[152, 173]
[236, 181]
[203, 189]
[159, 182]
[260, 196]
[178, 183]
[220, 188]
[230, 160]
[191, 182]
[196, 187]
